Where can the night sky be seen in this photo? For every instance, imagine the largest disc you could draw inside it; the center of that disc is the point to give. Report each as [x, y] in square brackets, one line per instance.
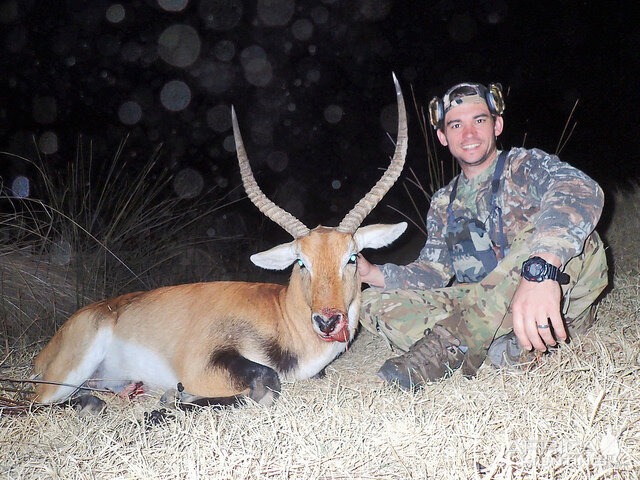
[311, 84]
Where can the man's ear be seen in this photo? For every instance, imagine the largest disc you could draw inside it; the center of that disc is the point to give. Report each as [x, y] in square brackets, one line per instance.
[498, 126]
[442, 137]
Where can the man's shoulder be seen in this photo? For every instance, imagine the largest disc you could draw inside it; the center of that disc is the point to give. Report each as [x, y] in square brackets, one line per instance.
[441, 196]
[524, 154]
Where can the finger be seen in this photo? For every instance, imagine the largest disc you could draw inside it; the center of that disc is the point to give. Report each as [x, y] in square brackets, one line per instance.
[544, 329]
[533, 332]
[558, 326]
[519, 330]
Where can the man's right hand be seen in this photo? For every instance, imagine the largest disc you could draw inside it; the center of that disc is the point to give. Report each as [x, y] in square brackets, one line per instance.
[369, 273]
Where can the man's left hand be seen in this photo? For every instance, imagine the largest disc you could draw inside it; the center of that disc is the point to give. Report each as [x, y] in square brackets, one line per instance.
[536, 308]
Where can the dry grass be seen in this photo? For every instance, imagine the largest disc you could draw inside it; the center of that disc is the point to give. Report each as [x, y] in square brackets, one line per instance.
[95, 230]
[575, 416]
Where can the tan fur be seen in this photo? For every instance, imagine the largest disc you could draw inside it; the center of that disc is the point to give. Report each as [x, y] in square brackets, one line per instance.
[220, 339]
[184, 324]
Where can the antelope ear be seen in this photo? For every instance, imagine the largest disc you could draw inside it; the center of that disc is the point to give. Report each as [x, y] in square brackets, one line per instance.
[276, 258]
[378, 235]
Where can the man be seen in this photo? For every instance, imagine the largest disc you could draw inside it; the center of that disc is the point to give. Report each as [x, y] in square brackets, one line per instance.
[515, 232]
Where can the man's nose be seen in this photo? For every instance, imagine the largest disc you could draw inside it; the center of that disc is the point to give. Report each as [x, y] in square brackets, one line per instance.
[468, 130]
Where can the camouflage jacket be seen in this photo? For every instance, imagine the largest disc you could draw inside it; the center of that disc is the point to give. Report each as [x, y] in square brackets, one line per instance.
[562, 202]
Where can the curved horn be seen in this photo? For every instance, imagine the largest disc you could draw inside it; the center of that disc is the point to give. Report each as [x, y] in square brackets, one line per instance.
[287, 221]
[354, 218]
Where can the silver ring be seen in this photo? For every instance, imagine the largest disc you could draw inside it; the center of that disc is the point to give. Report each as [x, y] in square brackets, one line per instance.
[543, 326]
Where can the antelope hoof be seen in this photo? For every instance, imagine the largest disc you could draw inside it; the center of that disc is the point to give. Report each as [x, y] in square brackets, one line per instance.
[88, 405]
[157, 417]
[174, 397]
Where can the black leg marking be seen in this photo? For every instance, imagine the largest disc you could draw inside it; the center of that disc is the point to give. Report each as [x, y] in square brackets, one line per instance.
[263, 381]
[321, 374]
[212, 402]
[87, 405]
[283, 359]
[157, 417]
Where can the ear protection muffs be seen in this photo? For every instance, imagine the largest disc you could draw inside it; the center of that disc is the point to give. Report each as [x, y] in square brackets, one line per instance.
[492, 96]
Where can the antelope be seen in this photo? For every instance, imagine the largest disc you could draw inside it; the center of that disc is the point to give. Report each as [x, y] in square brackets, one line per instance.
[225, 341]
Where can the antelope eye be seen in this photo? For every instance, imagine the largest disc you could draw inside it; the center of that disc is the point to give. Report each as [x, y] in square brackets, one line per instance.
[300, 263]
[353, 258]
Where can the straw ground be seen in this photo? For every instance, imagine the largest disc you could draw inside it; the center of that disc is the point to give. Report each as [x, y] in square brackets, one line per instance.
[576, 415]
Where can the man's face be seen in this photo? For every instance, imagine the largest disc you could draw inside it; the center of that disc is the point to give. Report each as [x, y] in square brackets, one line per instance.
[470, 133]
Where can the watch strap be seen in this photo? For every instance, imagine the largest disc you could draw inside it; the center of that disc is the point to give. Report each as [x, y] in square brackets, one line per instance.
[556, 274]
[551, 272]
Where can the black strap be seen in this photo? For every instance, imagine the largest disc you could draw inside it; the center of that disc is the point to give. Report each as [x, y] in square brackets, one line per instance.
[495, 186]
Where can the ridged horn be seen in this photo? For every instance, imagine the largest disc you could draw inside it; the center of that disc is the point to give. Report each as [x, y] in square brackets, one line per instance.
[283, 218]
[354, 218]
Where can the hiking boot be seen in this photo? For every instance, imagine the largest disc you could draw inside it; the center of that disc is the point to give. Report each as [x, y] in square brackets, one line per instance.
[434, 357]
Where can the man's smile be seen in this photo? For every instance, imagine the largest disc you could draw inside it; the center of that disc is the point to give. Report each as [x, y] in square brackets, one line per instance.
[470, 146]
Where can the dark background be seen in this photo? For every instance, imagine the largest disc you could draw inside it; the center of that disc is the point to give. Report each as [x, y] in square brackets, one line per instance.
[311, 84]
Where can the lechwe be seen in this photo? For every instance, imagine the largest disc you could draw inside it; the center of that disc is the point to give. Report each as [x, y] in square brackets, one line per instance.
[225, 340]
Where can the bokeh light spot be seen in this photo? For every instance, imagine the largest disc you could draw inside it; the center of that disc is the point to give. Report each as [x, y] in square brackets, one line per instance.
[222, 182]
[130, 112]
[179, 45]
[115, 13]
[48, 143]
[258, 72]
[229, 144]
[256, 67]
[173, 5]
[277, 161]
[224, 50]
[61, 252]
[275, 13]
[131, 52]
[372, 10]
[20, 187]
[319, 15]
[219, 118]
[333, 113]
[220, 15]
[175, 95]
[216, 77]
[302, 29]
[188, 183]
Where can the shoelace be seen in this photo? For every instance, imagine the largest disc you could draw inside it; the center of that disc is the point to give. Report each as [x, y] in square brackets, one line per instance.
[426, 349]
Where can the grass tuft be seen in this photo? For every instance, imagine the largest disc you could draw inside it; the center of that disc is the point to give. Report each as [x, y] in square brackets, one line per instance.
[95, 229]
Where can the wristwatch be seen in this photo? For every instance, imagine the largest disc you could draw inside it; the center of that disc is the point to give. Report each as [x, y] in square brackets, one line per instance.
[536, 269]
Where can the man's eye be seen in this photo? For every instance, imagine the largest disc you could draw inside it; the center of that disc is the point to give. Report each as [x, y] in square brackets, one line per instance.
[301, 263]
[353, 258]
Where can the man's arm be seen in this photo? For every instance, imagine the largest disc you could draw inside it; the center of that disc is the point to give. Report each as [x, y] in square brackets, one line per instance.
[570, 207]
[570, 204]
[535, 306]
[432, 268]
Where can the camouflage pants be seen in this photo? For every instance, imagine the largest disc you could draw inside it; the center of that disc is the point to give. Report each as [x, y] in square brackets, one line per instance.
[478, 313]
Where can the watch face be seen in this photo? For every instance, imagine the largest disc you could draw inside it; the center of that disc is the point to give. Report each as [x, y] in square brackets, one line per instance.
[536, 269]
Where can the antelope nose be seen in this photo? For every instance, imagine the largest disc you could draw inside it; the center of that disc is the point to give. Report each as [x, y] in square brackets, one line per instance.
[327, 324]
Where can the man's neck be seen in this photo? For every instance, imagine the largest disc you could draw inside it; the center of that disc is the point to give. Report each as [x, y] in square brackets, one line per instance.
[472, 171]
